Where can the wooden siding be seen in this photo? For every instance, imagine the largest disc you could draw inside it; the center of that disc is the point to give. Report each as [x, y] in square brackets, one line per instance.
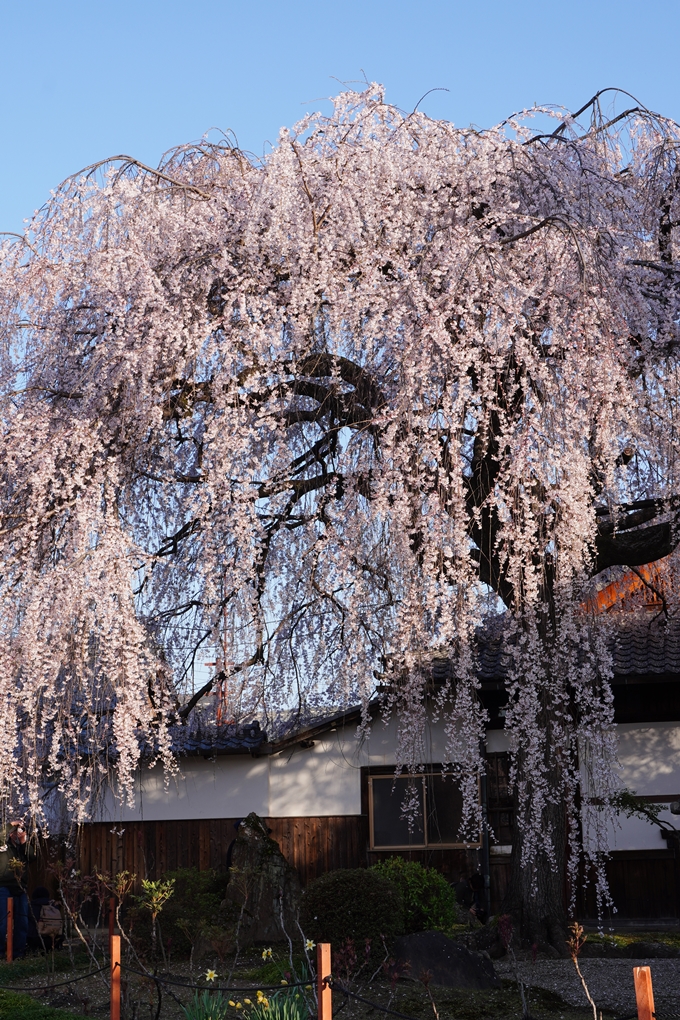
[149, 849]
[312, 845]
[643, 883]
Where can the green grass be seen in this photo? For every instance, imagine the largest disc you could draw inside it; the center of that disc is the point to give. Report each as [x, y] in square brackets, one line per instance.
[15, 1006]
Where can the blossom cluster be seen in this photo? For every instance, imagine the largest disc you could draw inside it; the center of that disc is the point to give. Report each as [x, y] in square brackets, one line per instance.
[331, 412]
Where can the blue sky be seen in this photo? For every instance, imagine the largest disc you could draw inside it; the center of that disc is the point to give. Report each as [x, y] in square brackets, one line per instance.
[81, 81]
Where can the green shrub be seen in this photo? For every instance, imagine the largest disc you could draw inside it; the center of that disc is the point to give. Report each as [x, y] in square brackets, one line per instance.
[429, 901]
[355, 904]
[194, 904]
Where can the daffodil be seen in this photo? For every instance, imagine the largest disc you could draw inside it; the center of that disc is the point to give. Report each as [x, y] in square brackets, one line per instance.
[231, 1002]
[239, 1006]
[283, 981]
[308, 988]
[248, 1002]
[210, 975]
[266, 954]
[309, 945]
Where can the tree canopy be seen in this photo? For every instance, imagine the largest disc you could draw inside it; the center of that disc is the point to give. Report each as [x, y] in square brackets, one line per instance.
[334, 410]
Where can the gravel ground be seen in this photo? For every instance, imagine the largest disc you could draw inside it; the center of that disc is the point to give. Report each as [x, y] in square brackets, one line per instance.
[610, 982]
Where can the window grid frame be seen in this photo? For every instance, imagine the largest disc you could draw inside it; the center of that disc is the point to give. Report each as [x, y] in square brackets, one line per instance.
[473, 845]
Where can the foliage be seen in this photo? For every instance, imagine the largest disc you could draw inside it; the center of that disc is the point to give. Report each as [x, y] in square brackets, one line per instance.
[429, 901]
[207, 1005]
[155, 894]
[626, 802]
[355, 904]
[193, 907]
[279, 1006]
[274, 970]
[282, 1005]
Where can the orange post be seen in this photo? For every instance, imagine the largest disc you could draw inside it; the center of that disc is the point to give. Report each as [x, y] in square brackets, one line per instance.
[115, 977]
[10, 929]
[642, 976]
[323, 988]
[112, 916]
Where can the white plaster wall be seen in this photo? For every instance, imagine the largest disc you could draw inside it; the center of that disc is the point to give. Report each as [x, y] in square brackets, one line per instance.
[649, 754]
[637, 834]
[497, 742]
[326, 779]
[321, 780]
[650, 757]
[227, 787]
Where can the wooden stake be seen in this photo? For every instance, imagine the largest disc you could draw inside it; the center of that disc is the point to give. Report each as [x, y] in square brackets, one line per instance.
[10, 929]
[115, 977]
[323, 989]
[112, 916]
[644, 996]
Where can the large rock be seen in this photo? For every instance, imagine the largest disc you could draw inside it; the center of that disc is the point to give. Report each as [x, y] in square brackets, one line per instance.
[264, 889]
[447, 962]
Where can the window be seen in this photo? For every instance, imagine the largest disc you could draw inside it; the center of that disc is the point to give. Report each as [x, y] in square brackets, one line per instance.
[500, 808]
[436, 807]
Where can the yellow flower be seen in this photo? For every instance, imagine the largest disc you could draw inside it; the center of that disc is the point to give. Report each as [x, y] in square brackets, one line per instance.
[239, 1006]
[309, 945]
[231, 1002]
[308, 988]
[266, 954]
[248, 1002]
[210, 975]
[283, 981]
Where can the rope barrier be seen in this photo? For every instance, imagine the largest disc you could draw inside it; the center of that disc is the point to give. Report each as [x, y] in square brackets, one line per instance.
[217, 988]
[47, 988]
[367, 1002]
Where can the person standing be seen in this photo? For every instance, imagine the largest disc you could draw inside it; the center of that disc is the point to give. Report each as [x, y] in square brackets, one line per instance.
[15, 854]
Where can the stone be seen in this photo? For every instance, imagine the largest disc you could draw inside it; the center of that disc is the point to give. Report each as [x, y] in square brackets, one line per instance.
[263, 895]
[447, 962]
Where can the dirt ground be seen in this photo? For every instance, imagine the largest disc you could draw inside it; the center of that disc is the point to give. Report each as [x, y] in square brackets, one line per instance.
[553, 989]
[610, 982]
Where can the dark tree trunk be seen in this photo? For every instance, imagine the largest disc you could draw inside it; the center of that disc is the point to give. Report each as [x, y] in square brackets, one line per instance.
[536, 898]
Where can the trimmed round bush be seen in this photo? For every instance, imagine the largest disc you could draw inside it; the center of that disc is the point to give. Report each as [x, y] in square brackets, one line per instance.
[354, 903]
[429, 901]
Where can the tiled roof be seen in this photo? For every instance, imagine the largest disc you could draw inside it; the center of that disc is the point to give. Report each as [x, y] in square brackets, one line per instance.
[642, 644]
[646, 646]
[227, 739]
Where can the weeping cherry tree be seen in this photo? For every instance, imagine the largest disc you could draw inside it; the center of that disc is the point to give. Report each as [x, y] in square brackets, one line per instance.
[336, 411]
